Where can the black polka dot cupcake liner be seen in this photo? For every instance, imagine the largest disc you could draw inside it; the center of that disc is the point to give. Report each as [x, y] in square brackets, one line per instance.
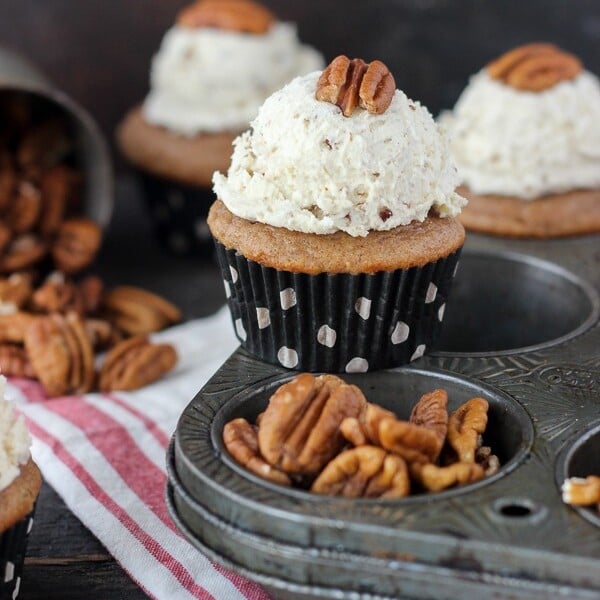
[336, 322]
[178, 213]
[13, 545]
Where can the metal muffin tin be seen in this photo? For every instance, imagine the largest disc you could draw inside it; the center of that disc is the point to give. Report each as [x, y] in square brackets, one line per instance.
[522, 330]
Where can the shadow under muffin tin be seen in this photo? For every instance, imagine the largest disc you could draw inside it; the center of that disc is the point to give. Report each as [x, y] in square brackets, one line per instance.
[522, 330]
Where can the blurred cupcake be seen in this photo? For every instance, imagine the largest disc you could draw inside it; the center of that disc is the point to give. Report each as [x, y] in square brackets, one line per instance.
[334, 225]
[20, 483]
[526, 141]
[214, 69]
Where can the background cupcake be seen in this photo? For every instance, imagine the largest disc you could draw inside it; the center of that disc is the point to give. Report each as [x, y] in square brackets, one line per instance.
[20, 482]
[214, 69]
[334, 225]
[526, 140]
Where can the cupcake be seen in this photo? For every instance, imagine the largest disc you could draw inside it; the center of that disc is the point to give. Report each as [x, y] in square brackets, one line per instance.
[20, 483]
[214, 69]
[526, 140]
[334, 225]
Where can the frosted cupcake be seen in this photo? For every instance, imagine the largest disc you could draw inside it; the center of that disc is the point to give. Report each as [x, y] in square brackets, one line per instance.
[214, 69]
[20, 483]
[335, 226]
[526, 141]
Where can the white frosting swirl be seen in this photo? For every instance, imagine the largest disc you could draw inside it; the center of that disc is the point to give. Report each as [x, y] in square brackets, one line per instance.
[305, 166]
[14, 441]
[526, 144]
[214, 80]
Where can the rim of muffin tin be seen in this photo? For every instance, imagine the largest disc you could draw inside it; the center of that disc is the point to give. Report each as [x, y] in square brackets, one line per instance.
[563, 464]
[588, 290]
[313, 571]
[261, 495]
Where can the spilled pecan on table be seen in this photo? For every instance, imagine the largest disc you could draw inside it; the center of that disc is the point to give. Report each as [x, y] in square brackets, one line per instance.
[321, 434]
[352, 83]
[535, 67]
[134, 363]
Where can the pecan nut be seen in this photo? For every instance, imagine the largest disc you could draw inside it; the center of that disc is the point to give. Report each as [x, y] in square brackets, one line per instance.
[57, 294]
[299, 430]
[56, 187]
[436, 479]
[15, 290]
[136, 311]
[489, 462]
[234, 15]
[134, 363]
[351, 83]
[13, 326]
[8, 180]
[534, 67]
[241, 440]
[465, 426]
[61, 354]
[430, 412]
[22, 252]
[102, 334]
[14, 362]
[366, 471]
[580, 491]
[76, 244]
[25, 208]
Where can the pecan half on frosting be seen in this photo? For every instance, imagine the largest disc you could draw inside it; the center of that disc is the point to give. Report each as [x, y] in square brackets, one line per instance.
[535, 67]
[234, 15]
[351, 83]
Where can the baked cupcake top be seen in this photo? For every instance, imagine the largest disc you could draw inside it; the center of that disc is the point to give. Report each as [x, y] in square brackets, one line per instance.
[218, 63]
[528, 125]
[14, 441]
[322, 156]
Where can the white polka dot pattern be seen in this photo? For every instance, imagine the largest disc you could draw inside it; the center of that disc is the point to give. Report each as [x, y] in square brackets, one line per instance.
[227, 289]
[263, 317]
[363, 307]
[357, 365]
[288, 357]
[326, 336]
[239, 328]
[234, 274]
[431, 293]
[9, 571]
[17, 588]
[400, 333]
[287, 298]
[419, 351]
[441, 312]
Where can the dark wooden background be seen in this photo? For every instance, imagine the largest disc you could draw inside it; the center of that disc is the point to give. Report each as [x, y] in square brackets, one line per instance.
[98, 51]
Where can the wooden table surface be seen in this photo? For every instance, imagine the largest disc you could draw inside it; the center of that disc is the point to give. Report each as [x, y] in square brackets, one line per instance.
[64, 560]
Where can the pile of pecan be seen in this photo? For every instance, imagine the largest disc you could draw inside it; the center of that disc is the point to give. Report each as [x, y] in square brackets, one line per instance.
[39, 194]
[582, 491]
[320, 433]
[51, 332]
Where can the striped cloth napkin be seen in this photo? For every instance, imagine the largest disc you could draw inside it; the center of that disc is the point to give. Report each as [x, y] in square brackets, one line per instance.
[104, 454]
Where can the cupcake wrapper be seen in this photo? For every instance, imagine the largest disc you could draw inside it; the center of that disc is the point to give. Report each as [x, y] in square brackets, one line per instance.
[336, 322]
[13, 544]
[178, 214]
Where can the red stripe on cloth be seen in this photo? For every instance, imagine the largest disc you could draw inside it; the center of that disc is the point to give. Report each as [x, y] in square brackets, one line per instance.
[149, 543]
[160, 436]
[32, 390]
[141, 475]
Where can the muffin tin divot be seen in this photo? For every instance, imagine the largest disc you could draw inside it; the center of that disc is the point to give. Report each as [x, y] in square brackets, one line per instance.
[580, 458]
[512, 303]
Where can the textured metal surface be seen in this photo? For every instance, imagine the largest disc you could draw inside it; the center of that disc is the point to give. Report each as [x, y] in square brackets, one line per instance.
[510, 536]
[18, 75]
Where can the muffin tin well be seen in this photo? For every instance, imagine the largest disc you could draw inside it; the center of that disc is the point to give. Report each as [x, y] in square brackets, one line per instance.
[522, 331]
